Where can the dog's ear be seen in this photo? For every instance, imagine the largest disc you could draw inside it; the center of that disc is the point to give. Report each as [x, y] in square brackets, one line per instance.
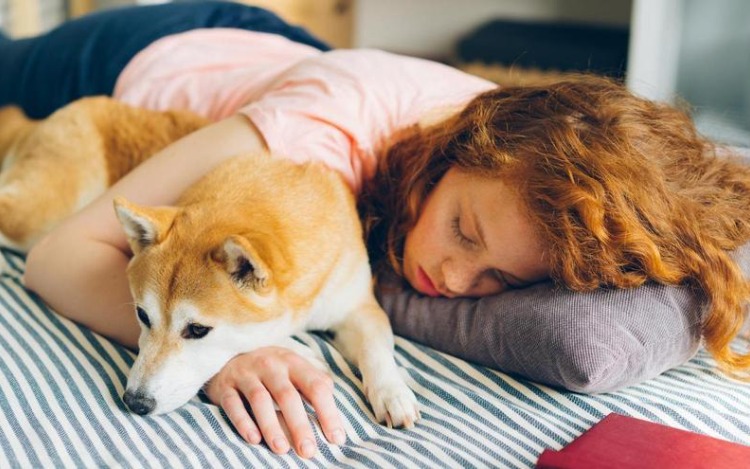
[144, 226]
[244, 265]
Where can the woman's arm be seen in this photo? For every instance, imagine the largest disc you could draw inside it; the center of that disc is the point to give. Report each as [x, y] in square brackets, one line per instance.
[79, 268]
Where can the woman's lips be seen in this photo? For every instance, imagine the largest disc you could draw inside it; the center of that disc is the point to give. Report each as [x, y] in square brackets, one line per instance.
[424, 284]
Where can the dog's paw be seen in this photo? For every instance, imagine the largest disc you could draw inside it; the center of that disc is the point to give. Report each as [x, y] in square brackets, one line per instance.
[393, 403]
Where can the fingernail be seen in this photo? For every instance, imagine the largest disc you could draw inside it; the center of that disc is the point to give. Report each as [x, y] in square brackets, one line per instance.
[308, 448]
[338, 436]
[253, 437]
[280, 444]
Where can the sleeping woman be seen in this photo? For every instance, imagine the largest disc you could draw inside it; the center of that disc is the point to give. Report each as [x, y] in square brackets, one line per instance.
[558, 210]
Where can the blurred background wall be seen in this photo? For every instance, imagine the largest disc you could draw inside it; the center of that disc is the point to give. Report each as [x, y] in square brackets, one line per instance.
[713, 66]
[26, 17]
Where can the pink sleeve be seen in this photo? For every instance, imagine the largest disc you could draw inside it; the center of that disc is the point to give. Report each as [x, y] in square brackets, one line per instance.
[293, 122]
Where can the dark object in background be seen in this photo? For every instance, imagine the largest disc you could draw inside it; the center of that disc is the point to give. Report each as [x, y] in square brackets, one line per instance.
[548, 46]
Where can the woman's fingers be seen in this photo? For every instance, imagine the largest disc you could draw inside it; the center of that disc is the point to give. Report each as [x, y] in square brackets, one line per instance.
[317, 387]
[234, 407]
[265, 417]
[277, 375]
[295, 416]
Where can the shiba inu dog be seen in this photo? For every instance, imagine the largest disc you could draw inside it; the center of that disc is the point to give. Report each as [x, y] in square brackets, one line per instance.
[259, 249]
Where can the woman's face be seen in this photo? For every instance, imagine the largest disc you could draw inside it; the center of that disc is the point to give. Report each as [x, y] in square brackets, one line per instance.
[472, 239]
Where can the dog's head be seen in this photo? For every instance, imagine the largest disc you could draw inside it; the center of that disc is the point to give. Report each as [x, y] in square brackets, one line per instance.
[204, 292]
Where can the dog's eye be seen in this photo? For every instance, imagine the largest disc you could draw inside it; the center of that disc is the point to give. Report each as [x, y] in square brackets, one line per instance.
[195, 331]
[143, 316]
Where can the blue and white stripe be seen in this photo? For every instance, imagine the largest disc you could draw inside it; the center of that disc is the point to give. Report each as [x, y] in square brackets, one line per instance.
[60, 406]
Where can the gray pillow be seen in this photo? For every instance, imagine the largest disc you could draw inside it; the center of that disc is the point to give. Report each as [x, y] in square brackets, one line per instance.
[586, 342]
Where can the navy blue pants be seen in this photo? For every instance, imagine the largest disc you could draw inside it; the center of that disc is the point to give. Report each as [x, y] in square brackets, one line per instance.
[85, 56]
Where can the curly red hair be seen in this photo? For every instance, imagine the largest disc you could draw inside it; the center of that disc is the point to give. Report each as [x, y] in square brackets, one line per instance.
[622, 190]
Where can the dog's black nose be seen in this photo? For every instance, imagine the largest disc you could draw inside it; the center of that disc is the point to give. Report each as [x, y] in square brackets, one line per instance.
[138, 402]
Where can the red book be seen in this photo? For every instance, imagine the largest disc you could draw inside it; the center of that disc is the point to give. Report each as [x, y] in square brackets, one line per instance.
[624, 442]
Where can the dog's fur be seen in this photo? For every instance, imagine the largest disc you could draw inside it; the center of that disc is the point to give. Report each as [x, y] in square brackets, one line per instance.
[257, 250]
[53, 167]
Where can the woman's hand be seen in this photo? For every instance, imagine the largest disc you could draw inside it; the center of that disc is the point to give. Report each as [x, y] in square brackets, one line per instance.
[276, 374]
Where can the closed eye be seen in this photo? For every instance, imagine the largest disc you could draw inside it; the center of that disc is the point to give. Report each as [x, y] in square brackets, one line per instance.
[460, 236]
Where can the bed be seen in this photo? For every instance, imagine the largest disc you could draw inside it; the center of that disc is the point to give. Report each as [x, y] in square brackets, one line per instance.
[60, 388]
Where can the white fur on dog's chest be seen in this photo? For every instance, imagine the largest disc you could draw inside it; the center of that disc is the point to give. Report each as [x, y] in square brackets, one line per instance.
[342, 295]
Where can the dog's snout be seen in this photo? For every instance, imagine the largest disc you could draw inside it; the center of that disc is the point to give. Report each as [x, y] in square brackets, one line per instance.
[139, 402]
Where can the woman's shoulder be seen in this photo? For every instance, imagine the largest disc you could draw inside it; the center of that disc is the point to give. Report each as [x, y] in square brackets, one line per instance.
[342, 106]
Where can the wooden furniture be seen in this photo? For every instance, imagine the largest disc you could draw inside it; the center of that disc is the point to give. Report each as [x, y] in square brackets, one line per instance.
[80, 7]
[330, 20]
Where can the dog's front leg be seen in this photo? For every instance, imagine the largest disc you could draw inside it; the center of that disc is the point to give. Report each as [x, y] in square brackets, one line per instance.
[366, 339]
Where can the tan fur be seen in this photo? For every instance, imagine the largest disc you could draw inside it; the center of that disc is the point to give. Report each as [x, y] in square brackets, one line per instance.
[14, 126]
[57, 165]
[131, 135]
[301, 249]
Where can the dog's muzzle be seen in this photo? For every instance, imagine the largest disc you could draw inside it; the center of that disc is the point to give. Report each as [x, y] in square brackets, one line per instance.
[139, 402]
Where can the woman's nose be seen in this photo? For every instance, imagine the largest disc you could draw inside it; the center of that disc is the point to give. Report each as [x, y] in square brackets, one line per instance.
[458, 278]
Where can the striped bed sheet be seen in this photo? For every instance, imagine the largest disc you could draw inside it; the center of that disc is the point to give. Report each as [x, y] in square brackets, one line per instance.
[60, 406]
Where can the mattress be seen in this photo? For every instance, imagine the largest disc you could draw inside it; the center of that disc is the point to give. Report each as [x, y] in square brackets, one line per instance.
[60, 388]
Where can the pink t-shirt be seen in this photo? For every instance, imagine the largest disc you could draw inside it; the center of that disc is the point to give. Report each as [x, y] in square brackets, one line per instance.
[336, 107]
